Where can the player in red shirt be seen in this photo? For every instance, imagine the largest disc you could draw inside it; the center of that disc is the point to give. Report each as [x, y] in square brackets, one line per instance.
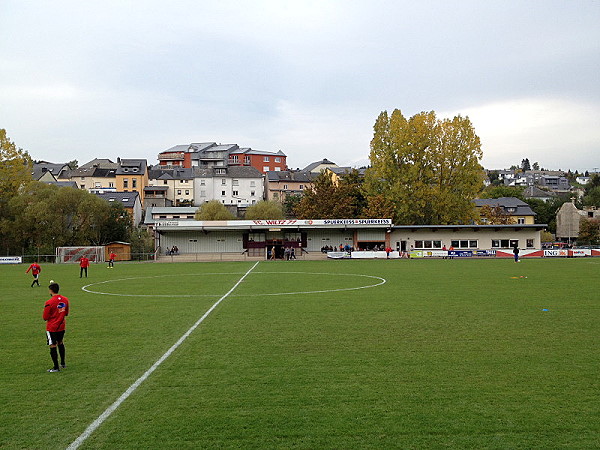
[111, 260]
[55, 312]
[35, 271]
[84, 263]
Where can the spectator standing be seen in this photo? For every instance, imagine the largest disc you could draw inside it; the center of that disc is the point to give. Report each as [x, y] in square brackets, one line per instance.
[35, 271]
[516, 254]
[55, 312]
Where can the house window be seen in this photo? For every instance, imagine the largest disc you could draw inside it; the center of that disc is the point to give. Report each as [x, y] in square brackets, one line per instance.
[235, 182]
[223, 182]
[252, 183]
[83, 186]
[164, 181]
[222, 193]
[246, 160]
[266, 159]
[529, 243]
[178, 191]
[277, 160]
[235, 193]
[162, 217]
[125, 183]
[521, 220]
[187, 192]
[277, 169]
[285, 186]
[202, 193]
[202, 182]
[266, 168]
[301, 186]
[234, 158]
[134, 183]
[252, 193]
[82, 178]
[514, 243]
[111, 184]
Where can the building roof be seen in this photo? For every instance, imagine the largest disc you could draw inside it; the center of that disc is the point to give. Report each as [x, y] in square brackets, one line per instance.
[300, 176]
[511, 205]
[39, 169]
[171, 174]
[100, 163]
[97, 172]
[155, 188]
[128, 199]
[71, 184]
[535, 192]
[323, 162]
[132, 167]
[250, 151]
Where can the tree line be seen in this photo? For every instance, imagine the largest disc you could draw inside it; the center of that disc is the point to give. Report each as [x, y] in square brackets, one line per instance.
[36, 217]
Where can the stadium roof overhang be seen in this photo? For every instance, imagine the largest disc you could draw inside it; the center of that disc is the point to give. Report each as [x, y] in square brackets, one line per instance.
[257, 225]
[512, 226]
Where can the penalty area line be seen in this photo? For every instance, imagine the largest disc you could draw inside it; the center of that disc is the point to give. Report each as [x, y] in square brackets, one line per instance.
[106, 414]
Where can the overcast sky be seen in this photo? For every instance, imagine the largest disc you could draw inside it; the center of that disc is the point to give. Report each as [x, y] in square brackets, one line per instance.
[102, 79]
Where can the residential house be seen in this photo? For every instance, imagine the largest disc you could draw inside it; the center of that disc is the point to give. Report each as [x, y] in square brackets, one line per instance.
[540, 194]
[555, 182]
[235, 186]
[281, 184]
[130, 200]
[46, 171]
[520, 211]
[95, 179]
[175, 185]
[132, 176]
[261, 160]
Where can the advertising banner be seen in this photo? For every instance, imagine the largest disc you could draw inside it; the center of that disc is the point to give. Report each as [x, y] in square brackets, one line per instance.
[556, 252]
[434, 253]
[10, 260]
[580, 252]
[484, 253]
[338, 255]
[460, 253]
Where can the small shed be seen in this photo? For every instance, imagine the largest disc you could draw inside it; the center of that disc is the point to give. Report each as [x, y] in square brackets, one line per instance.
[121, 249]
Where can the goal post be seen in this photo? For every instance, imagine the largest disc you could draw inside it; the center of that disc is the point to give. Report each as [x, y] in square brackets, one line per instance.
[73, 254]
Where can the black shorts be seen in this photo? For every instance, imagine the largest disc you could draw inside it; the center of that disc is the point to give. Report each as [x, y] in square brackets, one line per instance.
[55, 337]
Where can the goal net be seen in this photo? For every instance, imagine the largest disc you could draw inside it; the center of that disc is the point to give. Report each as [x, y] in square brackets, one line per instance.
[73, 254]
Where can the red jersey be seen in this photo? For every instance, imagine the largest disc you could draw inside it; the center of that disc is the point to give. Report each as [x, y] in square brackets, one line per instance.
[84, 262]
[35, 269]
[55, 311]
[112, 256]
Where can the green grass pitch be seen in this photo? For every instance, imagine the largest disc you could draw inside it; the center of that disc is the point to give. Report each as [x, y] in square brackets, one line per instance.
[443, 354]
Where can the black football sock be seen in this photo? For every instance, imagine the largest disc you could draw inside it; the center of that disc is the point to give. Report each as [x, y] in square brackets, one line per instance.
[61, 351]
[54, 356]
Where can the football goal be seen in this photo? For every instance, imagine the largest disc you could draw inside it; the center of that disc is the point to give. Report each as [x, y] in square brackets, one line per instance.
[73, 254]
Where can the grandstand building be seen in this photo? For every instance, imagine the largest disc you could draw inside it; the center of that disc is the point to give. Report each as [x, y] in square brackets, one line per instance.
[255, 238]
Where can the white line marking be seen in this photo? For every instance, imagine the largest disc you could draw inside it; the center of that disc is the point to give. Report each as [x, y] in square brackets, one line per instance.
[106, 414]
[380, 282]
